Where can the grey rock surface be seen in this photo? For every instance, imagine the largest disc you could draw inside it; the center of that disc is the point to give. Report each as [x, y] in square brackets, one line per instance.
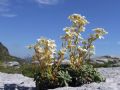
[112, 82]
[102, 60]
[20, 82]
[16, 82]
[114, 61]
[12, 64]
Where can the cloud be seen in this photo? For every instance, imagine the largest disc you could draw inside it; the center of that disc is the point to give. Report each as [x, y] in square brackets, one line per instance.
[4, 4]
[47, 2]
[9, 15]
[5, 9]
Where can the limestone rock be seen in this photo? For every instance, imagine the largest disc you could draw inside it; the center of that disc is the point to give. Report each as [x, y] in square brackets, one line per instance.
[20, 82]
[16, 82]
[112, 82]
[12, 64]
[112, 60]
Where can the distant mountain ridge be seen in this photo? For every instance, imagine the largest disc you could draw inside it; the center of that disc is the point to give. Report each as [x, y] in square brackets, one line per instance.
[5, 55]
[3, 51]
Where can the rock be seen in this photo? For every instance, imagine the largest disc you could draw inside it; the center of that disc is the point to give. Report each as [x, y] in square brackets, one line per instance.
[20, 82]
[16, 82]
[112, 82]
[96, 62]
[104, 60]
[110, 60]
[35, 62]
[12, 64]
[64, 62]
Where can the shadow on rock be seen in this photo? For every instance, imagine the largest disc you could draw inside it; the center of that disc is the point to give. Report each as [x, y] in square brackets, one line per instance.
[16, 87]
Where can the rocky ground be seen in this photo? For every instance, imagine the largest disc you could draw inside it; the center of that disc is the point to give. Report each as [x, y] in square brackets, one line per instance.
[20, 82]
[112, 76]
[16, 82]
[106, 61]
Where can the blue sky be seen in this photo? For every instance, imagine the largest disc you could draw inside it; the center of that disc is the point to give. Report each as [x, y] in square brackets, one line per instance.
[24, 21]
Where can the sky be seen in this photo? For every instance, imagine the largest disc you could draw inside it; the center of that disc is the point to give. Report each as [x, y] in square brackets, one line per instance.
[22, 22]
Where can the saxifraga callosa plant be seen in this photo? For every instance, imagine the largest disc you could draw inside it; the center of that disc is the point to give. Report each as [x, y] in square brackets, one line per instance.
[77, 49]
[73, 39]
[45, 50]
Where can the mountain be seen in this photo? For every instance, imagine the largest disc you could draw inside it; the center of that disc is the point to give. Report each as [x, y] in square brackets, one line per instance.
[5, 55]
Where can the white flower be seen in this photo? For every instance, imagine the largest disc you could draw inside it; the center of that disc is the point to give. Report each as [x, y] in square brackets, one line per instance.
[51, 56]
[78, 19]
[80, 37]
[39, 49]
[81, 49]
[68, 32]
[91, 52]
[51, 43]
[81, 29]
[53, 50]
[63, 50]
[66, 29]
[101, 37]
[30, 46]
[41, 39]
[100, 31]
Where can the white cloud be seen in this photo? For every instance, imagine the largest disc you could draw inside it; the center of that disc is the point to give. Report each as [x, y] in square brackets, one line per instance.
[47, 2]
[9, 15]
[5, 9]
[4, 4]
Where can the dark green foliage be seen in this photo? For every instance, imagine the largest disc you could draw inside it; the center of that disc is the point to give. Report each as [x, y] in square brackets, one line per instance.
[64, 78]
[84, 75]
[10, 70]
[45, 82]
[67, 76]
[27, 70]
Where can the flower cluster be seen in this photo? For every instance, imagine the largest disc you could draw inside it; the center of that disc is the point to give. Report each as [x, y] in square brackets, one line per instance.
[99, 32]
[73, 39]
[78, 19]
[74, 46]
[45, 50]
